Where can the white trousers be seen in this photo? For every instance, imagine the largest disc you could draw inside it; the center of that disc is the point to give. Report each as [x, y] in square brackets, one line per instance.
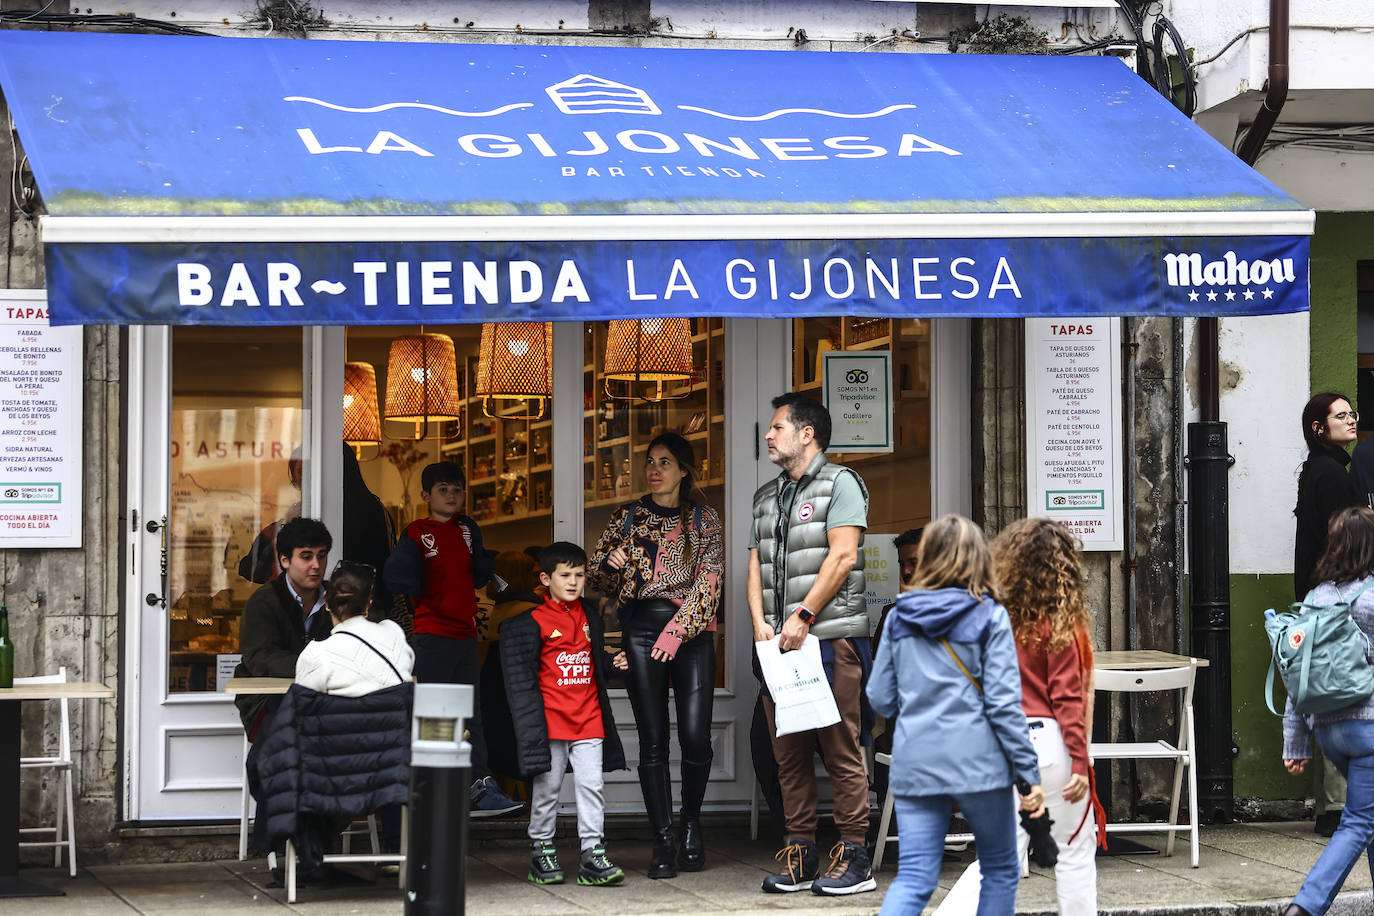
[588, 786]
[1076, 874]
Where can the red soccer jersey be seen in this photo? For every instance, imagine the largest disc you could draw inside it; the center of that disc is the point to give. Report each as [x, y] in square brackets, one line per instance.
[572, 708]
[449, 605]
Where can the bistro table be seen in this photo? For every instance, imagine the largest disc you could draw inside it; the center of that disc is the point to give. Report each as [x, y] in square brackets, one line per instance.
[1130, 660]
[11, 885]
[252, 686]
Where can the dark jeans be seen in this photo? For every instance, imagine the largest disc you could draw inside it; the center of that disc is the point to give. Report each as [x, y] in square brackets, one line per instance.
[442, 660]
[692, 673]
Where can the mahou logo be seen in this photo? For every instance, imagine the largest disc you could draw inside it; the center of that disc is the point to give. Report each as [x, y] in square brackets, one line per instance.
[1234, 277]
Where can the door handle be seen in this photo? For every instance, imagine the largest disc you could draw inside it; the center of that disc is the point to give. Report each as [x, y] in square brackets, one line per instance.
[152, 598]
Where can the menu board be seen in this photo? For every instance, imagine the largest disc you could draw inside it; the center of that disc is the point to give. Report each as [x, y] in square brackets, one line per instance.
[1073, 426]
[40, 425]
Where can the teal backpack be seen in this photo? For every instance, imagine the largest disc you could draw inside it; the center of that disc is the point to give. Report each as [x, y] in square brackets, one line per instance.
[1321, 654]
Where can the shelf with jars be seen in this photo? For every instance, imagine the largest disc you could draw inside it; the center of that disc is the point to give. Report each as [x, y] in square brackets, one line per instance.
[617, 430]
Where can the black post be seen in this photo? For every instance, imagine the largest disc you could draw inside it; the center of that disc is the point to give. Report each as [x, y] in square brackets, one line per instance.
[440, 767]
[437, 873]
[1210, 564]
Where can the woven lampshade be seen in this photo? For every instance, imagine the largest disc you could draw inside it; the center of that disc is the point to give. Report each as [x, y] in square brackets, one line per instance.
[422, 380]
[362, 425]
[515, 363]
[657, 350]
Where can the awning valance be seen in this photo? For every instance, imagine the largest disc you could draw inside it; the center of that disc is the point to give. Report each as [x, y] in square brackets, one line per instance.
[237, 181]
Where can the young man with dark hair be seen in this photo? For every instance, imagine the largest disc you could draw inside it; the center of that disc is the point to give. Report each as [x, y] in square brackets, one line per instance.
[440, 562]
[285, 614]
[556, 668]
[906, 543]
[806, 577]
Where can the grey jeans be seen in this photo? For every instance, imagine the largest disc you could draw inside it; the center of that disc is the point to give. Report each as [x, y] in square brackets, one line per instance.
[588, 784]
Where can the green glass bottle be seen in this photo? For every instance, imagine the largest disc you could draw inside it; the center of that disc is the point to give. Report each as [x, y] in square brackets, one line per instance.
[6, 649]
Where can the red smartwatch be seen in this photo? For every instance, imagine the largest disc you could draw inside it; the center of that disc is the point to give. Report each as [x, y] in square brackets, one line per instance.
[807, 615]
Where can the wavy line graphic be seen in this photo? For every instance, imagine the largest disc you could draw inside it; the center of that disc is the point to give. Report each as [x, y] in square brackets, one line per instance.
[390, 105]
[328, 286]
[782, 111]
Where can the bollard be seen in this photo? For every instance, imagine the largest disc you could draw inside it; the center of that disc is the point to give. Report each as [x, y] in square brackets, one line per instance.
[440, 764]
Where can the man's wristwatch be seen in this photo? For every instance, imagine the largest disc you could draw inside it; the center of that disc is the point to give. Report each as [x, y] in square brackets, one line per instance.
[807, 615]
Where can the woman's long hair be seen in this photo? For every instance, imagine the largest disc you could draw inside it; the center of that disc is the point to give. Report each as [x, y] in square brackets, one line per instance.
[686, 458]
[1349, 554]
[1042, 580]
[954, 554]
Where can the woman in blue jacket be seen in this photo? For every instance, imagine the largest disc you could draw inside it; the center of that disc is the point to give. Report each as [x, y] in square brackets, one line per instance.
[946, 677]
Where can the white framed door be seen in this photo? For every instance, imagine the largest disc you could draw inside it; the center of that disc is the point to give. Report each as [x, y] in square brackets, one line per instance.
[217, 452]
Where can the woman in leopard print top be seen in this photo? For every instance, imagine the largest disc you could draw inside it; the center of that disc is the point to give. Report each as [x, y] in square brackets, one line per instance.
[666, 575]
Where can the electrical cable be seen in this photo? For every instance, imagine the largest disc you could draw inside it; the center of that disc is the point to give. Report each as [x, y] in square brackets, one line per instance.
[125, 21]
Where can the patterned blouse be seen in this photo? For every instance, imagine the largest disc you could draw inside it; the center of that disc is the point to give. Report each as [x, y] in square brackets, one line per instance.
[659, 566]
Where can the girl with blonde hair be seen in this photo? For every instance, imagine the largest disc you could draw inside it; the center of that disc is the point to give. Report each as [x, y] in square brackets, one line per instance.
[946, 678]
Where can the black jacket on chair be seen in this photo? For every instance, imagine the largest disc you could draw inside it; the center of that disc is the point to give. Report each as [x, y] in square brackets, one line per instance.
[519, 647]
[331, 757]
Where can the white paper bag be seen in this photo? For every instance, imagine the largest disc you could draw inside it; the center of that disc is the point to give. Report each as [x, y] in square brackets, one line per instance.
[802, 697]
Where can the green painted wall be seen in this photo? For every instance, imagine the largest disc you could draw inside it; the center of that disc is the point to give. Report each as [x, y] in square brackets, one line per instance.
[1340, 240]
[1259, 733]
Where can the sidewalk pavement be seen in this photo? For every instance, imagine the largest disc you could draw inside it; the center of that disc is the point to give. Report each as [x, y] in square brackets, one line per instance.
[1245, 869]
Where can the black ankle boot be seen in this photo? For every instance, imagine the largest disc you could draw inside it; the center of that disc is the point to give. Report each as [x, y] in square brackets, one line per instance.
[692, 854]
[1295, 910]
[657, 786]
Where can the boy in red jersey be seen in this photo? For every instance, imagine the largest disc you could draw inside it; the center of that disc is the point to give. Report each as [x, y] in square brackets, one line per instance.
[440, 562]
[555, 662]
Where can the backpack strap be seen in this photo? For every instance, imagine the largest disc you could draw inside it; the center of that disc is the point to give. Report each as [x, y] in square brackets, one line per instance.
[629, 519]
[399, 679]
[958, 661]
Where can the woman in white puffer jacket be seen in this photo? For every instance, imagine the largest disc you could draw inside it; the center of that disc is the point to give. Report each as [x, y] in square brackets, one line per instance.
[359, 656]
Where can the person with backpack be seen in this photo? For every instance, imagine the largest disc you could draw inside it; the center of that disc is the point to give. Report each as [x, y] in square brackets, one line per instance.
[947, 677]
[1329, 425]
[1345, 572]
[662, 559]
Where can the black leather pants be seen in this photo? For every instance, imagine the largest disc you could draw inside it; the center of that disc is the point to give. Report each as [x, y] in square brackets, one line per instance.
[692, 673]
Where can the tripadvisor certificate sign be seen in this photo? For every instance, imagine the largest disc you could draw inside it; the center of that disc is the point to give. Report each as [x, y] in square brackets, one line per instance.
[1073, 426]
[858, 394]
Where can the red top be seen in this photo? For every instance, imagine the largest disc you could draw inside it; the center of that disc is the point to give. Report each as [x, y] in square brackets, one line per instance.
[449, 605]
[572, 707]
[1052, 688]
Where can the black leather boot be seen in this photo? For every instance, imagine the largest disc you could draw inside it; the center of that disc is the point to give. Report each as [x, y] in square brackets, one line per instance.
[656, 782]
[692, 853]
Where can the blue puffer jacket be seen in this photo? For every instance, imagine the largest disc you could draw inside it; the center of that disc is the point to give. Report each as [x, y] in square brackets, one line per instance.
[949, 739]
[333, 757]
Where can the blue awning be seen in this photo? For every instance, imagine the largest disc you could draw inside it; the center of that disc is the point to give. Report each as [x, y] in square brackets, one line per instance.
[237, 181]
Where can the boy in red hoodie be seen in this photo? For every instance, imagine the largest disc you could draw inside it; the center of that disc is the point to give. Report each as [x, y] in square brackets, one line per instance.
[440, 562]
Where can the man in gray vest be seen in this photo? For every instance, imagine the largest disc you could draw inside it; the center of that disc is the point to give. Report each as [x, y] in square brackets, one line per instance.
[806, 576]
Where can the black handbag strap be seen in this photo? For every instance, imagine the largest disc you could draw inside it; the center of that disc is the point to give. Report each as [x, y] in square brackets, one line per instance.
[399, 679]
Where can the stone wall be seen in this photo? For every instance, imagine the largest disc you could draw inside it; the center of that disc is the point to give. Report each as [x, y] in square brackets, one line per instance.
[64, 604]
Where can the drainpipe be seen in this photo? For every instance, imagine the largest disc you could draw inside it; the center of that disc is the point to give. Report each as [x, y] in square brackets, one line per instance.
[1207, 463]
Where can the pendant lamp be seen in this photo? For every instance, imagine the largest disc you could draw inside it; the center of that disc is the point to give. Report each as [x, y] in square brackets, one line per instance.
[362, 425]
[657, 350]
[515, 363]
[422, 381]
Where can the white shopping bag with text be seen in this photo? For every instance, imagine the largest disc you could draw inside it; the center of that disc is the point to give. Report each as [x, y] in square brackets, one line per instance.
[802, 697]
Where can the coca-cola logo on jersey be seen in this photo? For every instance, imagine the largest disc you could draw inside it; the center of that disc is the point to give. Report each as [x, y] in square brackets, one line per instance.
[574, 667]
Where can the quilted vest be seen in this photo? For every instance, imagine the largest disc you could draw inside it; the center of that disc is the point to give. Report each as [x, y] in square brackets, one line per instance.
[787, 580]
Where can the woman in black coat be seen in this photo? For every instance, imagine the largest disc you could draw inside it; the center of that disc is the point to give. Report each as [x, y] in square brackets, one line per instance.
[1324, 488]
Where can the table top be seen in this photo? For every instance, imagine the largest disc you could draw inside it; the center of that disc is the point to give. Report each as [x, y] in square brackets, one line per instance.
[71, 690]
[258, 685]
[1142, 660]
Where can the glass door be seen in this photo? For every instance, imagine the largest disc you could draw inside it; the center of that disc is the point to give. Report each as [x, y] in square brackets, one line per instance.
[220, 418]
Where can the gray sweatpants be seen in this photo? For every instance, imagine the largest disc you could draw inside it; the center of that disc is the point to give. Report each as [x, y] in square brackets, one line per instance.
[588, 784]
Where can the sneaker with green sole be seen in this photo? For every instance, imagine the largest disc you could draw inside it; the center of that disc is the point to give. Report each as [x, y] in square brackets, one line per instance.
[597, 870]
[544, 863]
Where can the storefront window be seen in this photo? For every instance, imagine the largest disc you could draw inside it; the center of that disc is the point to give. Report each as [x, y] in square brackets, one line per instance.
[236, 473]
[620, 419]
[898, 481]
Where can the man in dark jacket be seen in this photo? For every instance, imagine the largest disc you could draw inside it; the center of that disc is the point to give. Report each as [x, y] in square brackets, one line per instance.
[285, 614]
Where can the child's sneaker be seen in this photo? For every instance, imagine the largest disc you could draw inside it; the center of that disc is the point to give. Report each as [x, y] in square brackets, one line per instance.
[489, 801]
[597, 870]
[544, 863]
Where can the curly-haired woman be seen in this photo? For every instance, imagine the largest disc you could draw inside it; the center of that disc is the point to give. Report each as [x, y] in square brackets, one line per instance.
[1042, 590]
